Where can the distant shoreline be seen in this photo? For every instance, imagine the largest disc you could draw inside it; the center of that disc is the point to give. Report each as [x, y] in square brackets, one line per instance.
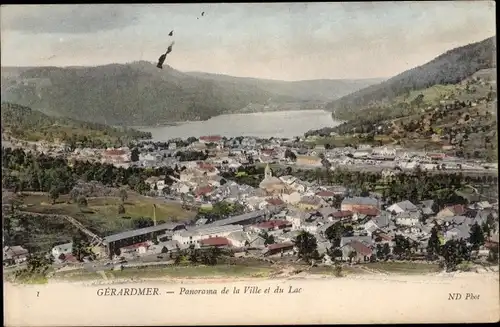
[178, 123]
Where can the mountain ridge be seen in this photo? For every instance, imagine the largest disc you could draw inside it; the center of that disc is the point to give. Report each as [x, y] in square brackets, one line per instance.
[138, 93]
[448, 68]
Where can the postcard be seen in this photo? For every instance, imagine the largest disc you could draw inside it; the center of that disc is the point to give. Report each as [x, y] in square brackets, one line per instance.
[271, 163]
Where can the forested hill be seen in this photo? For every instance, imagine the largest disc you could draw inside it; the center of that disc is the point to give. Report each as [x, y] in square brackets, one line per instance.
[32, 125]
[449, 68]
[305, 90]
[140, 94]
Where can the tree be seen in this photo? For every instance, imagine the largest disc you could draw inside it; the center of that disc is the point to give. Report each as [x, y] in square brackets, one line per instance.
[307, 246]
[81, 247]
[268, 239]
[493, 255]
[290, 155]
[334, 234]
[451, 255]
[433, 245]
[54, 194]
[123, 195]
[386, 250]
[134, 155]
[476, 237]
[402, 247]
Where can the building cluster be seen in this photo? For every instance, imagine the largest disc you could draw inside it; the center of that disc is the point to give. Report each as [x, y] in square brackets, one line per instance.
[281, 207]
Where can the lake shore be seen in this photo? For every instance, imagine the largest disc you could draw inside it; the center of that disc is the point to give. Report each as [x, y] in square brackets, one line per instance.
[285, 124]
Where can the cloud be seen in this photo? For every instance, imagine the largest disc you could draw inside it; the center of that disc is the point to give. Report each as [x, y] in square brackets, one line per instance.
[69, 19]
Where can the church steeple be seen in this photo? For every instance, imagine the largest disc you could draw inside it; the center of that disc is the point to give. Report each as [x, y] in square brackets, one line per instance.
[267, 172]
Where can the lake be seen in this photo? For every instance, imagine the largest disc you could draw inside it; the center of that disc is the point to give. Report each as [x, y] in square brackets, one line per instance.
[284, 124]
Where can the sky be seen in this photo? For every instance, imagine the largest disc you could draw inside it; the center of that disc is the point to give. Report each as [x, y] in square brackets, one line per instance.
[285, 41]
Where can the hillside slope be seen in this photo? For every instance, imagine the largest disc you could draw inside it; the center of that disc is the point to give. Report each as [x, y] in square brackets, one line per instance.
[449, 68]
[131, 94]
[23, 123]
[459, 119]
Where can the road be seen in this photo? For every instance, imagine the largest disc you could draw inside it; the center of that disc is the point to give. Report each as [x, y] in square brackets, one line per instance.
[149, 260]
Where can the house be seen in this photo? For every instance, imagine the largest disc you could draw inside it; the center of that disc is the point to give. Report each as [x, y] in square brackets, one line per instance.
[207, 169]
[369, 212]
[355, 203]
[408, 218]
[326, 195]
[15, 254]
[492, 242]
[313, 161]
[203, 191]
[311, 203]
[455, 210]
[135, 249]
[275, 202]
[66, 248]
[427, 207]
[482, 205]
[457, 232]
[292, 197]
[342, 215]
[403, 206]
[195, 235]
[155, 182]
[383, 220]
[216, 242]
[367, 240]
[279, 248]
[356, 251]
[164, 247]
[271, 225]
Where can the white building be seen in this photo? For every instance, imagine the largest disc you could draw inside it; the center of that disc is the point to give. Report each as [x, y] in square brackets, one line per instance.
[408, 218]
[403, 206]
[65, 249]
[195, 235]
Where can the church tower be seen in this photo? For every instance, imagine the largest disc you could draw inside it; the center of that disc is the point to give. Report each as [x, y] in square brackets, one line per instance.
[267, 172]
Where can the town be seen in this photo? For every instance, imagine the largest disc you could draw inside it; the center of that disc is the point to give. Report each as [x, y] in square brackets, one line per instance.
[280, 200]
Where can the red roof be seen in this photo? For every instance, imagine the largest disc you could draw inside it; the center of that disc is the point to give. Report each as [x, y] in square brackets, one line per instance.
[205, 166]
[203, 190]
[69, 258]
[457, 209]
[211, 138]
[436, 155]
[273, 223]
[279, 246]
[342, 214]
[360, 248]
[216, 241]
[367, 211]
[275, 202]
[114, 152]
[325, 194]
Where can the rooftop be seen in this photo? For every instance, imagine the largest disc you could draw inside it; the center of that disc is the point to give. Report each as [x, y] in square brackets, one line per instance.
[141, 231]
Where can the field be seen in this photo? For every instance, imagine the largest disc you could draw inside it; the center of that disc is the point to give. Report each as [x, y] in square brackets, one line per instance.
[100, 216]
[170, 272]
